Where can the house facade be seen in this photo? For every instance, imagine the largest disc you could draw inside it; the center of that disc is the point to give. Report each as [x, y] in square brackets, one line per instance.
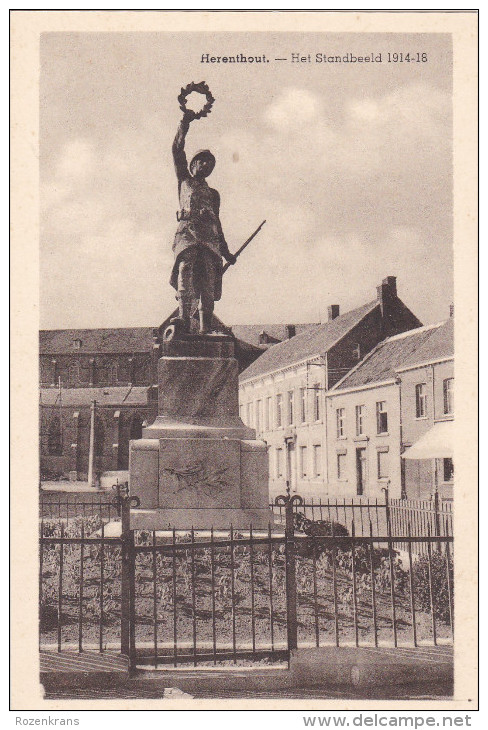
[427, 415]
[283, 393]
[384, 406]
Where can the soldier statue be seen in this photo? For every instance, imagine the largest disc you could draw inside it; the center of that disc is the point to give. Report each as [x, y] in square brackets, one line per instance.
[199, 243]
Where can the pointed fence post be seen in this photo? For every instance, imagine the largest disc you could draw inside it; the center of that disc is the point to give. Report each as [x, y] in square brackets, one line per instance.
[123, 501]
[290, 567]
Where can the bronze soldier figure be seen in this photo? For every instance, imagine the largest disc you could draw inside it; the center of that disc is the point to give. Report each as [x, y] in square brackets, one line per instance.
[199, 243]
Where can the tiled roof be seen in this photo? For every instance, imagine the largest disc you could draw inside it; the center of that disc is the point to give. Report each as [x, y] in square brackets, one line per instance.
[439, 345]
[387, 356]
[125, 396]
[315, 340]
[276, 332]
[118, 339]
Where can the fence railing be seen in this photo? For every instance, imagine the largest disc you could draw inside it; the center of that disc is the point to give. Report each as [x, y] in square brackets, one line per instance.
[179, 597]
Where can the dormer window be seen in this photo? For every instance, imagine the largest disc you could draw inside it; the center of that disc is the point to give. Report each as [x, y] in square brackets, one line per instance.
[77, 344]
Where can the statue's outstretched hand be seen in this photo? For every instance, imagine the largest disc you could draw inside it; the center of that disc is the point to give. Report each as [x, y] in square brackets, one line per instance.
[189, 115]
[231, 258]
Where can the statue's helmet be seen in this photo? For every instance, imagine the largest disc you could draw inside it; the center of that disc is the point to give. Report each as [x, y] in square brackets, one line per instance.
[203, 155]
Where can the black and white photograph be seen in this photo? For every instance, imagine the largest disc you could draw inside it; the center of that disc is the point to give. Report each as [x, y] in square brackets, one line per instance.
[254, 256]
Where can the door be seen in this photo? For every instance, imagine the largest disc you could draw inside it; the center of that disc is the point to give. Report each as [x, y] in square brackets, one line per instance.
[362, 470]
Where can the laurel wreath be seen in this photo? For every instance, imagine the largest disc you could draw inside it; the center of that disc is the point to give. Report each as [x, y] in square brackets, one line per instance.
[201, 88]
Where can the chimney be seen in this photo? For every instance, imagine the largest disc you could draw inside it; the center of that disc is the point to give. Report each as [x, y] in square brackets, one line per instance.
[451, 310]
[332, 312]
[290, 331]
[386, 292]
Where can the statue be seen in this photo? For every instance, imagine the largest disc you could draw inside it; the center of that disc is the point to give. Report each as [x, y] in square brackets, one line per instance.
[199, 243]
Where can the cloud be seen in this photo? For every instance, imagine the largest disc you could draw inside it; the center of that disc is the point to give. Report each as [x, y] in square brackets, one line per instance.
[293, 108]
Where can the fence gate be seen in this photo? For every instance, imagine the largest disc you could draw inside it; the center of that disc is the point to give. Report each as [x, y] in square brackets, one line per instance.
[202, 597]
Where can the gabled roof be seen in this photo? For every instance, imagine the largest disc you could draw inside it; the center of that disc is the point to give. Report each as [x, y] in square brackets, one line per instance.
[382, 362]
[117, 396]
[439, 345]
[276, 332]
[118, 339]
[313, 341]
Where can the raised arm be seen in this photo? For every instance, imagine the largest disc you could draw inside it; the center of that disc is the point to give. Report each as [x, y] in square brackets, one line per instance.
[179, 156]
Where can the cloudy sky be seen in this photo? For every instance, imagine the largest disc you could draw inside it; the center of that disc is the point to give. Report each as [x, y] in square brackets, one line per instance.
[351, 165]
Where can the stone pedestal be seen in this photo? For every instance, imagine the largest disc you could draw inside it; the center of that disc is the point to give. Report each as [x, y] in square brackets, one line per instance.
[198, 464]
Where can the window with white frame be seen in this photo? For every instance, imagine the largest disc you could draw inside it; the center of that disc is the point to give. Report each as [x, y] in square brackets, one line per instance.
[303, 461]
[448, 470]
[259, 415]
[316, 402]
[448, 389]
[381, 417]
[290, 404]
[249, 414]
[341, 422]
[279, 463]
[421, 400]
[317, 460]
[360, 414]
[341, 466]
[383, 459]
[269, 413]
[303, 405]
[279, 410]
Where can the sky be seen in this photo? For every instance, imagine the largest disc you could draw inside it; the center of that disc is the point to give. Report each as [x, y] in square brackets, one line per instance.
[350, 165]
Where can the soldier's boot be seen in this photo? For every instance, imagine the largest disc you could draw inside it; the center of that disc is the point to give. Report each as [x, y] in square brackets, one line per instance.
[205, 315]
[184, 311]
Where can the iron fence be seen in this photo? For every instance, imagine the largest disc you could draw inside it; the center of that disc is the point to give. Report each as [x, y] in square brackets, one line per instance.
[193, 597]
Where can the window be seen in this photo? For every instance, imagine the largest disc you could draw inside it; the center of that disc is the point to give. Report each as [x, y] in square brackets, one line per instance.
[303, 461]
[249, 414]
[259, 415]
[136, 428]
[291, 415]
[341, 466]
[316, 402]
[279, 463]
[241, 411]
[77, 344]
[303, 405]
[74, 373]
[279, 410]
[55, 437]
[381, 417]
[113, 374]
[269, 413]
[448, 388]
[317, 460]
[360, 413]
[448, 468]
[383, 464]
[421, 400]
[341, 422]
[356, 351]
[99, 437]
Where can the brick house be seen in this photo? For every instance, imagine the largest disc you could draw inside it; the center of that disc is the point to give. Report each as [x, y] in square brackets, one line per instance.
[282, 393]
[116, 368]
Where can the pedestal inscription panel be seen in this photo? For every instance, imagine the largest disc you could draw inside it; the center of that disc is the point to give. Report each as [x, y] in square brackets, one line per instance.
[203, 473]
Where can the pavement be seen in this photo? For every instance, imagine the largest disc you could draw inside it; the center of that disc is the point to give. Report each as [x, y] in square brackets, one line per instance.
[328, 673]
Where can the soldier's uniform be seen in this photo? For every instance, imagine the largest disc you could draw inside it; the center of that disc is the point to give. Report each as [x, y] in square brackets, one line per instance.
[199, 243]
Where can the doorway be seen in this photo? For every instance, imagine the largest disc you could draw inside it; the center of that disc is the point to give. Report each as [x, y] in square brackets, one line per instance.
[361, 471]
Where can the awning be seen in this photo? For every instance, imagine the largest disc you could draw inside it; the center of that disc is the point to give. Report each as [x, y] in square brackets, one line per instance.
[436, 443]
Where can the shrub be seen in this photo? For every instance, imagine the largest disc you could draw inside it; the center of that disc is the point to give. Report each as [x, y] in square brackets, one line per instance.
[440, 592]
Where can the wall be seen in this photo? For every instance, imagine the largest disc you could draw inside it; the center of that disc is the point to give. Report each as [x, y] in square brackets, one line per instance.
[76, 430]
[419, 475]
[370, 440]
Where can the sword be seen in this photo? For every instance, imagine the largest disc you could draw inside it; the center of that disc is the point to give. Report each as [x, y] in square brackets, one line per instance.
[246, 243]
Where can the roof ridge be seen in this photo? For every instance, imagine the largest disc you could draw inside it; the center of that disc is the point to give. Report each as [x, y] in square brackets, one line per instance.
[416, 331]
